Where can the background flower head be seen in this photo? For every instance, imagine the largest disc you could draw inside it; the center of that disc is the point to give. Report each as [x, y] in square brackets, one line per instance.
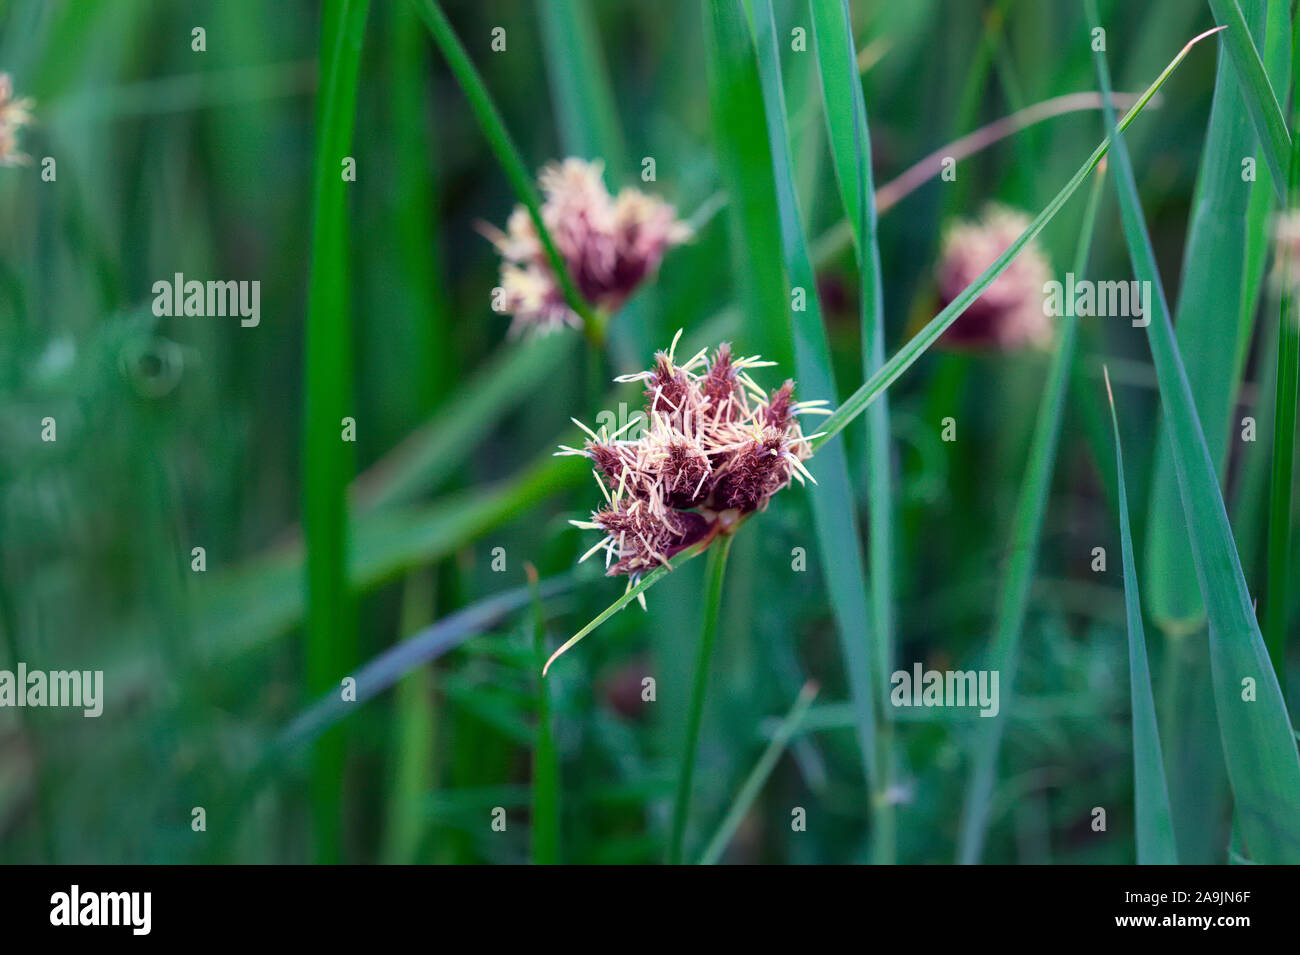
[1010, 314]
[610, 245]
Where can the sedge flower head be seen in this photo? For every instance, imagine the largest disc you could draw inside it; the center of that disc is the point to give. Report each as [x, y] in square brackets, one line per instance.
[611, 244]
[713, 448]
[1009, 314]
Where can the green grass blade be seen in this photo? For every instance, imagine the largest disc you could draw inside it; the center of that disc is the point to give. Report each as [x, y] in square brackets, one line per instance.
[833, 504]
[1282, 476]
[1004, 653]
[846, 118]
[416, 208]
[745, 165]
[415, 734]
[503, 147]
[634, 591]
[421, 648]
[757, 777]
[1261, 101]
[1258, 742]
[545, 830]
[714, 573]
[1213, 286]
[580, 88]
[327, 459]
[875, 386]
[1155, 825]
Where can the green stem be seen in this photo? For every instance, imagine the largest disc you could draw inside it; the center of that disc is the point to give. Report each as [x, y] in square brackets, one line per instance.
[489, 118]
[546, 760]
[758, 776]
[327, 458]
[713, 574]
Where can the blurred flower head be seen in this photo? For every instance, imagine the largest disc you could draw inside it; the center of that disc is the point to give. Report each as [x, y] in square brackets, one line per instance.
[1286, 250]
[714, 447]
[610, 244]
[1010, 313]
[14, 114]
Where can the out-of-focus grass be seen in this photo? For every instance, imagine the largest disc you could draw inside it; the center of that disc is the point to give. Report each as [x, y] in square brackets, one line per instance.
[327, 405]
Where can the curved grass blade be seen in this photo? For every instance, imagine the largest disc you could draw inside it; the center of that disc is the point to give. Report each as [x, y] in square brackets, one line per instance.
[846, 118]
[753, 784]
[327, 460]
[489, 118]
[1215, 273]
[1155, 826]
[423, 647]
[1004, 653]
[634, 591]
[745, 166]
[909, 353]
[714, 574]
[841, 235]
[1258, 742]
[1261, 101]
[833, 505]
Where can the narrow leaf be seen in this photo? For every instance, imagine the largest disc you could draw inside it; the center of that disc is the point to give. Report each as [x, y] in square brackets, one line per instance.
[1258, 741]
[1155, 826]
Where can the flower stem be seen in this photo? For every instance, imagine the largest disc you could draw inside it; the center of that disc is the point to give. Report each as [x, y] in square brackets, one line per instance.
[713, 574]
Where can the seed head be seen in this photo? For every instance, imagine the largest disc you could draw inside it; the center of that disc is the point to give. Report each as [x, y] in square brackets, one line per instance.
[610, 245]
[14, 114]
[1009, 314]
[714, 447]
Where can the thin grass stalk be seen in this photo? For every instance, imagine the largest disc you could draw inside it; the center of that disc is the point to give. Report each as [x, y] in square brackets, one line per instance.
[839, 236]
[1261, 100]
[714, 572]
[545, 832]
[414, 734]
[758, 776]
[1155, 824]
[327, 459]
[503, 146]
[846, 117]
